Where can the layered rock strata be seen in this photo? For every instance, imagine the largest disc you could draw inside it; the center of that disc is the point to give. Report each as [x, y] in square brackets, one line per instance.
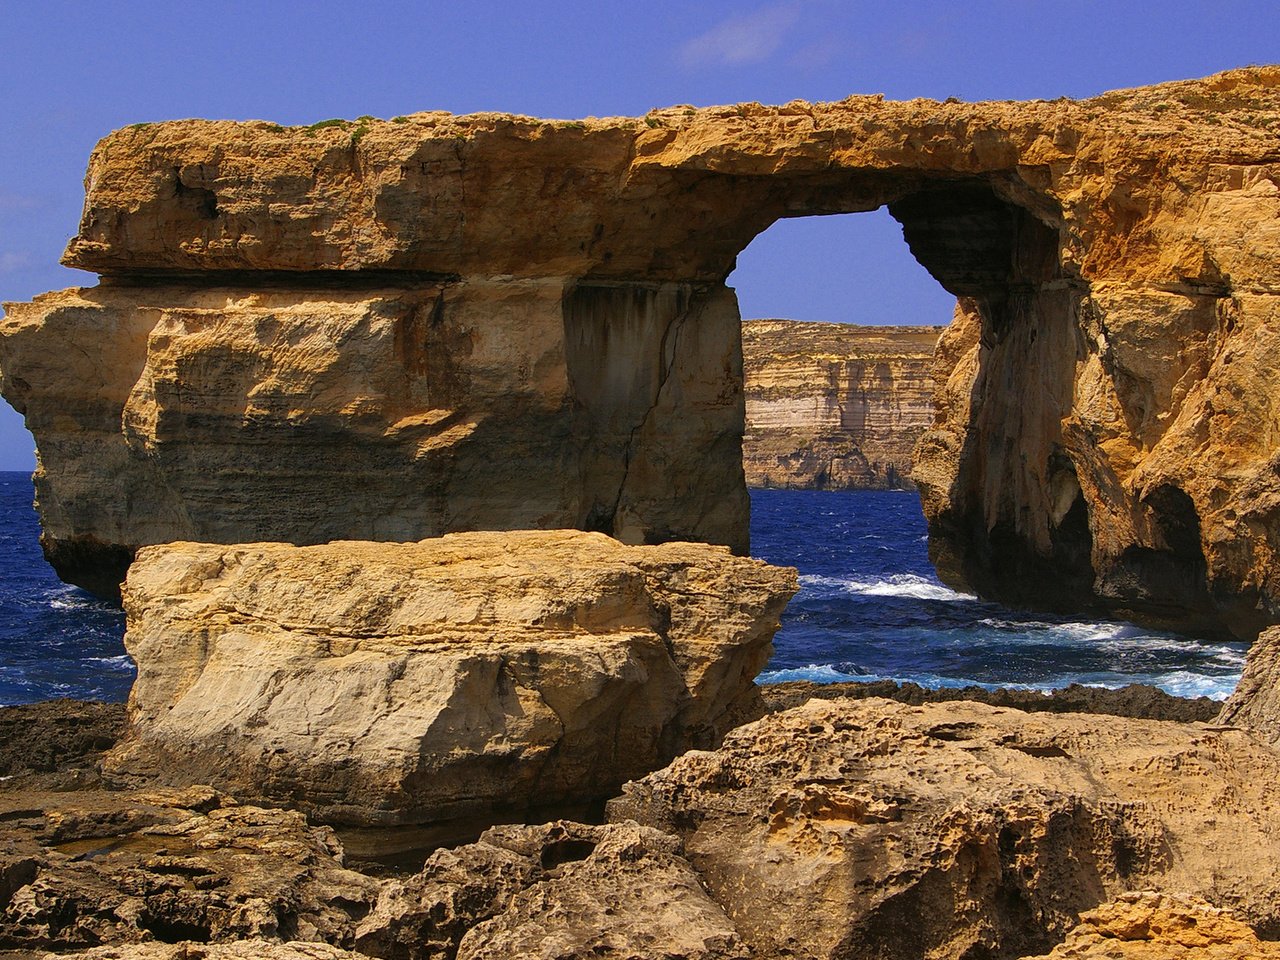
[834, 406]
[1106, 411]
[467, 680]
[303, 413]
[870, 829]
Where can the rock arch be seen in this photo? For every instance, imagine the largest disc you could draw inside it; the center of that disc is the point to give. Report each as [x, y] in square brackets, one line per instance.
[496, 321]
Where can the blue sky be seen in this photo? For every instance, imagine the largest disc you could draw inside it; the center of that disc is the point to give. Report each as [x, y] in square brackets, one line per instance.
[74, 71]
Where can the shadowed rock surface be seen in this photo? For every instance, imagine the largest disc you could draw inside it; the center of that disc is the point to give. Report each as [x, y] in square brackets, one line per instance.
[474, 678]
[869, 829]
[241, 950]
[834, 406]
[432, 315]
[1255, 704]
[57, 735]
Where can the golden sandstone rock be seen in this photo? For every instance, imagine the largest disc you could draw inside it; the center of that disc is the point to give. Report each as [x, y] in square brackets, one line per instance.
[833, 406]
[463, 680]
[1147, 926]
[1106, 419]
[869, 829]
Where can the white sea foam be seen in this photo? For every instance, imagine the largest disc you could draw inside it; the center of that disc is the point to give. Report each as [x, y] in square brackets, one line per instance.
[813, 673]
[1184, 683]
[895, 585]
[122, 662]
[1178, 683]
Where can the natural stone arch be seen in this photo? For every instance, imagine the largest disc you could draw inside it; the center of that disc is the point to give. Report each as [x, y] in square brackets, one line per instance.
[1106, 421]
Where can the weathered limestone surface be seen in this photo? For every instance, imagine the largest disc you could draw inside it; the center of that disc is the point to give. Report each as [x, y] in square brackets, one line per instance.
[871, 829]
[90, 867]
[834, 406]
[559, 891]
[1148, 926]
[1107, 419]
[309, 414]
[473, 678]
[238, 950]
[1255, 703]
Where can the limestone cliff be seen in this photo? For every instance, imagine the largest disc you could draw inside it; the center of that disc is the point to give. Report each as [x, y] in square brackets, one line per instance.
[1107, 420]
[834, 406]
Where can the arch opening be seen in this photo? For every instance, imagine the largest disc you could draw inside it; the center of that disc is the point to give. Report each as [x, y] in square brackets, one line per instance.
[875, 604]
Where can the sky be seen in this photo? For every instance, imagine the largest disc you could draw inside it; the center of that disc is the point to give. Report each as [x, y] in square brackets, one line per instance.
[74, 71]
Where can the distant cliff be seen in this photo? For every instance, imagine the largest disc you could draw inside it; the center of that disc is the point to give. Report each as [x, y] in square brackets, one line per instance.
[835, 406]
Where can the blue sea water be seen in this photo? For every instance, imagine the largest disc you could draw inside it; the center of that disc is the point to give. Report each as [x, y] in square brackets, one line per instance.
[55, 640]
[869, 607]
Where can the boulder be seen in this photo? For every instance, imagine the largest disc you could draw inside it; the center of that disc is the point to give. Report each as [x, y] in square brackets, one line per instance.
[870, 829]
[559, 891]
[471, 679]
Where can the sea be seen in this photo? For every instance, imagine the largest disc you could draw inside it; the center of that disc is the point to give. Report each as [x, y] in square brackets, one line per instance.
[869, 608]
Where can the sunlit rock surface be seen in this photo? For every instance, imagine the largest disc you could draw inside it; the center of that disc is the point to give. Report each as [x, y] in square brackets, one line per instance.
[870, 829]
[470, 679]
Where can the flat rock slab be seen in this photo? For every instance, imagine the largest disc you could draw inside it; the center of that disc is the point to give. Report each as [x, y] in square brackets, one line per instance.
[471, 678]
[871, 829]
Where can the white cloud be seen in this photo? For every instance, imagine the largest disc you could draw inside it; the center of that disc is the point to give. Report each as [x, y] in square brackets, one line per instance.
[13, 262]
[17, 201]
[748, 38]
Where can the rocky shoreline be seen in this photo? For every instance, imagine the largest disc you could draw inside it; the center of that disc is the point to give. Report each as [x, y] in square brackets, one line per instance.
[804, 835]
[58, 736]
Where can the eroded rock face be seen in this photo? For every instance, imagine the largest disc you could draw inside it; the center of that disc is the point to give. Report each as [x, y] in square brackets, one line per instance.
[311, 414]
[1107, 411]
[475, 677]
[1148, 926]
[559, 890]
[1255, 703]
[240, 950]
[95, 867]
[867, 829]
[834, 406]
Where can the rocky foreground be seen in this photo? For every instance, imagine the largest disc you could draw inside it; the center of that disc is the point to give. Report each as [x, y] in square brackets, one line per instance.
[838, 829]
[391, 751]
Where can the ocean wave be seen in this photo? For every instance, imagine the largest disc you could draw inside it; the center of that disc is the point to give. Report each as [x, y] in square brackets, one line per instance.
[1178, 683]
[813, 673]
[122, 662]
[894, 585]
